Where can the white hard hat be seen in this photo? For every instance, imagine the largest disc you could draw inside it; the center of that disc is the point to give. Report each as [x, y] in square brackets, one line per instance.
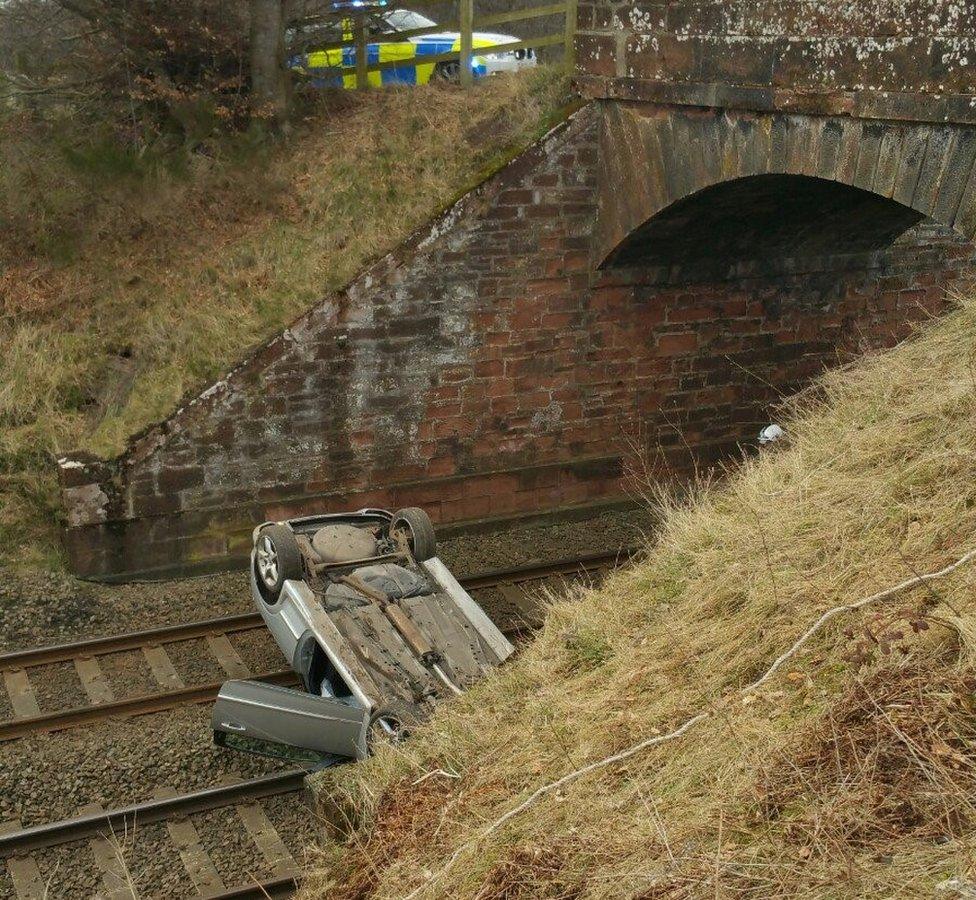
[771, 433]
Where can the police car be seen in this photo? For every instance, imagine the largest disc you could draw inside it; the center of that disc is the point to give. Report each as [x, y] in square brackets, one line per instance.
[320, 65]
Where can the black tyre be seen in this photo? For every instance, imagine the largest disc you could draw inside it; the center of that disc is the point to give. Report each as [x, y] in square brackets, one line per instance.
[418, 530]
[276, 560]
[448, 71]
[385, 726]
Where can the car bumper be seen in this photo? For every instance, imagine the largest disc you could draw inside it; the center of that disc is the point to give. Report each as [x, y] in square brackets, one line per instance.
[507, 63]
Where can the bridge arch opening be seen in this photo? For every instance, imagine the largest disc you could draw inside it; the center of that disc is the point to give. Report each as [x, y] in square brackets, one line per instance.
[735, 296]
[760, 218]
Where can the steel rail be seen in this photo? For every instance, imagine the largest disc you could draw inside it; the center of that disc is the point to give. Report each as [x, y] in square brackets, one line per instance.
[125, 818]
[143, 704]
[574, 565]
[135, 640]
[11, 729]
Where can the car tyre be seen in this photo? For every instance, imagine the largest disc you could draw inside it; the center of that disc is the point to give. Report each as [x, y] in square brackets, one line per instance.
[448, 72]
[277, 559]
[385, 727]
[418, 530]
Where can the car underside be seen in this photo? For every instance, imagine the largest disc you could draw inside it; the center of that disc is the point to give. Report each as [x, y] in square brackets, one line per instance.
[376, 627]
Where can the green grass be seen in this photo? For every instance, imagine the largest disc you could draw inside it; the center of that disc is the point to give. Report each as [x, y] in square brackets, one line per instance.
[131, 279]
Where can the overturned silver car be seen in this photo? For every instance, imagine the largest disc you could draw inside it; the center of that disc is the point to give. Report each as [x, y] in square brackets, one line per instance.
[373, 623]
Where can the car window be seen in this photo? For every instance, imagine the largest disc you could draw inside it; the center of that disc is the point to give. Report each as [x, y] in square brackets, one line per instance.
[406, 20]
[378, 26]
[303, 38]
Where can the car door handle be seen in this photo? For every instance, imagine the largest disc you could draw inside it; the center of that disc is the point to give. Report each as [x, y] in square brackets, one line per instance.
[233, 726]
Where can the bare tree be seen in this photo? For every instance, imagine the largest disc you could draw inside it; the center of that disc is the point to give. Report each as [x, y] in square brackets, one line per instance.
[270, 84]
[196, 63]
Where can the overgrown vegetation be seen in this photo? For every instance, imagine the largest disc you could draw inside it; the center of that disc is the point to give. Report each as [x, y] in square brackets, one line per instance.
[850, 773]
[184, 68]
[131, 276]
[143, 68]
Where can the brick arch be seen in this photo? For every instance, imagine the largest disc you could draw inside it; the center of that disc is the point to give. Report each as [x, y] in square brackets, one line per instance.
[483, 370]
[653, 157]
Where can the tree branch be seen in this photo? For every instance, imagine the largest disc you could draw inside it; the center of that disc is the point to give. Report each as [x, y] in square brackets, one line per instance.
[22, 86]
[89, 11]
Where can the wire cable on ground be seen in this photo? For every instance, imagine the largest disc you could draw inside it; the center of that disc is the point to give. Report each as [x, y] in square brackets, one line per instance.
[689, 723]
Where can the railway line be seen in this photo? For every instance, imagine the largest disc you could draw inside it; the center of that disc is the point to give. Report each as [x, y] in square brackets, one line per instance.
[28, 717]
[99, 829]
[175, 811]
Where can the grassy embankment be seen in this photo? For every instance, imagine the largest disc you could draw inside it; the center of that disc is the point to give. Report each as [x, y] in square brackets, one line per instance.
[129, 279]
[850, 773]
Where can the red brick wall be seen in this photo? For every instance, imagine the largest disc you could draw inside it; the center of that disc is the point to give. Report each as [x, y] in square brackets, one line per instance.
[485, 369]
[702, 367]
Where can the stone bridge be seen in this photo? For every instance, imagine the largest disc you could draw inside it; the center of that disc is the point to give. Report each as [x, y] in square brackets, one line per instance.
[754, 190]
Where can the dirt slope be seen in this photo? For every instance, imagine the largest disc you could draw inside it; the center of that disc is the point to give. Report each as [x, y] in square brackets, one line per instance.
[849, 773]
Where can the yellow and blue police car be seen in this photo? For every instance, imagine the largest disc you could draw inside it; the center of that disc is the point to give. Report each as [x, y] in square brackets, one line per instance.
[321, 65]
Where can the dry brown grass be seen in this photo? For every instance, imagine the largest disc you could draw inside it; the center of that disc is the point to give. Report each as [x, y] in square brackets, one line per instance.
[122, 290]
[850, 773]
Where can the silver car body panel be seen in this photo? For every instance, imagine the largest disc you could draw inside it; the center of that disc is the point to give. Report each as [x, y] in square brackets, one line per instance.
[278, 715]
[500, 645]
[359, 665]
[298, 611]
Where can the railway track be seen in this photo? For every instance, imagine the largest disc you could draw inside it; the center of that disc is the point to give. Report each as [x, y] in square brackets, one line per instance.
[512, 583]
[98, 827]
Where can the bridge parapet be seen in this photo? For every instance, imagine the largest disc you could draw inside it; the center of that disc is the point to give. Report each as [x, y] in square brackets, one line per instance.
[891, 59]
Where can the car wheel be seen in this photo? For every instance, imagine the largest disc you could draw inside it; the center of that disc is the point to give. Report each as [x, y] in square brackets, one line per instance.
[415, 526]
[449, 72]
[385, 727]
[276, 560]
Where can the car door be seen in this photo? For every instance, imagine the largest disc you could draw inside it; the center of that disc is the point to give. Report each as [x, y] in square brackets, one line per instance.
[275, 721]
[289, 616]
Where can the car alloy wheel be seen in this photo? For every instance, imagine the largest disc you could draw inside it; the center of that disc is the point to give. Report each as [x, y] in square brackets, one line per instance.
[267, 559]
[277, 559]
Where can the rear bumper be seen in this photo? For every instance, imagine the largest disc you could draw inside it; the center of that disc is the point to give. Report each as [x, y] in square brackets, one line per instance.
[507, 63]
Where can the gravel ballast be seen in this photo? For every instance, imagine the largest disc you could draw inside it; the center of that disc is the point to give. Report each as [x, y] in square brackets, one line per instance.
[48, 777]
[48, 608]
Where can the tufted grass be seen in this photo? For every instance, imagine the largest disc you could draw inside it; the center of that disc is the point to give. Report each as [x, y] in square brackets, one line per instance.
[851, 774]
[131, 280]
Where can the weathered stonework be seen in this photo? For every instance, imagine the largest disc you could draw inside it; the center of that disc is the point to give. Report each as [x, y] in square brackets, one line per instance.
[890, 59]
[653, 156]
[488, 368]
[758, 190]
